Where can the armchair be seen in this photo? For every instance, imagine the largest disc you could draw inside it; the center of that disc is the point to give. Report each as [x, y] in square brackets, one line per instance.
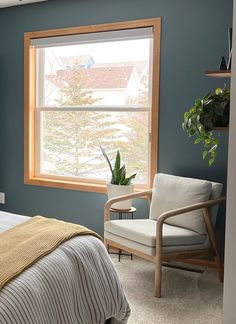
[180, 225]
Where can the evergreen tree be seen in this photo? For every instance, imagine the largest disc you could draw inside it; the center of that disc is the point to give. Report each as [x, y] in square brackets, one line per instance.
[71, 138]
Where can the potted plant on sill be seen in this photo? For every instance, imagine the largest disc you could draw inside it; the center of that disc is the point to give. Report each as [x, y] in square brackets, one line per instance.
[120, 184]
[208, 113]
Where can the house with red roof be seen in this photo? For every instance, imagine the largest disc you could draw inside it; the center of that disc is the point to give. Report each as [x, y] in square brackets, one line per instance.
[108, 84]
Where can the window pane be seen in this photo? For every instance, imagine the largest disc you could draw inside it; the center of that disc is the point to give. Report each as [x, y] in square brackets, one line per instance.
[98, 74]
[70, 143]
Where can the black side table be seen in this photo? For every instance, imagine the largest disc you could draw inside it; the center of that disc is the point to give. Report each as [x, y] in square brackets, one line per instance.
[120, 212]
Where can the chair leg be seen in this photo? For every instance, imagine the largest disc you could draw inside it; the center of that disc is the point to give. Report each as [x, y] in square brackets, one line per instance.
[219, 267]
[158, 263]
[212, 239]
[106, 245]
[158, 274]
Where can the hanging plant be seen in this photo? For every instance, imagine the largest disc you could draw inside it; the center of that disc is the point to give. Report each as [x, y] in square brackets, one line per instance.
[206, 114]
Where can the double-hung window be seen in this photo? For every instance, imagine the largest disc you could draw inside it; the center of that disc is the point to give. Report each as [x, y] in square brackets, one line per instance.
[88, 87]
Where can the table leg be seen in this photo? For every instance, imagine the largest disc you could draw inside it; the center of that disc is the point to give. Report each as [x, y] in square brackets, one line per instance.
[119, 250]
[119, 254]
[132, 217]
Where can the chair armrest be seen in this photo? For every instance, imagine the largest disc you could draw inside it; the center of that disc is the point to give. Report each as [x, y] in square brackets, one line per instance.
[175, 212]
[112, 201]
[186, 209]
[159, 226]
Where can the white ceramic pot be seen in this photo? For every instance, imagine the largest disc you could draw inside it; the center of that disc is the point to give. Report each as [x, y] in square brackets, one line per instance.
[114, 191]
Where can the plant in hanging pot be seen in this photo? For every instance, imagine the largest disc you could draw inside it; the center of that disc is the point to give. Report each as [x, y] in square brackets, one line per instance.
[208, 113]
[120, 184]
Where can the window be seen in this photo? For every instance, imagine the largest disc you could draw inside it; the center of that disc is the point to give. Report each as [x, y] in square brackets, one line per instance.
[86, 87]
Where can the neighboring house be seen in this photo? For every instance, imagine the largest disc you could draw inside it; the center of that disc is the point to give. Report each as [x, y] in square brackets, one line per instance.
[110, 84]
[85, 61]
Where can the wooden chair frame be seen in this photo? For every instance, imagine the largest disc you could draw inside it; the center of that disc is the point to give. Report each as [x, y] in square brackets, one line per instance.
[187, 256]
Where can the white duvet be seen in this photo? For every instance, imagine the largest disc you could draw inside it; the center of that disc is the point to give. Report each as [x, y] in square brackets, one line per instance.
[75, 284]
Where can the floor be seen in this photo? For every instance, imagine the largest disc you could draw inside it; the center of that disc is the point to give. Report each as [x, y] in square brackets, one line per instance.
[188, 297]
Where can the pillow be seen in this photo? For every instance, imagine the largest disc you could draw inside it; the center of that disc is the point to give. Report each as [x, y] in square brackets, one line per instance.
[171, 192]
[3, 227]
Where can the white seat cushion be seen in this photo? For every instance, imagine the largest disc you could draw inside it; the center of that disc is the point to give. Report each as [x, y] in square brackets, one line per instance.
[171, 192]
[144, 231]
[151, 250]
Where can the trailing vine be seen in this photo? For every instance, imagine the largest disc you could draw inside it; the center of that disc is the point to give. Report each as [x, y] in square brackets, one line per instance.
[206, 114]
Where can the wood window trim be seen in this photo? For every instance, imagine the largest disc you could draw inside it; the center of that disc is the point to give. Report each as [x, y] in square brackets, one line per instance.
[30, 102]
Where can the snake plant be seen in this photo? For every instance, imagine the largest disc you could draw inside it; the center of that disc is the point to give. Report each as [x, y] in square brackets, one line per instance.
[118, 173]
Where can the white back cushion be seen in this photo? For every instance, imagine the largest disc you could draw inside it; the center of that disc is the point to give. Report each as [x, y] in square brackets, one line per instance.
[216, 193]
[171, 192]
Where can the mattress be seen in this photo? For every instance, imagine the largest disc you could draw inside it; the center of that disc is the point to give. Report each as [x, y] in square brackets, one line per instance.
[75, 284]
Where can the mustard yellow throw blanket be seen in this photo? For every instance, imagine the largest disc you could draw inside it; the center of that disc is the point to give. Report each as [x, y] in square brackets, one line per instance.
[21, 246]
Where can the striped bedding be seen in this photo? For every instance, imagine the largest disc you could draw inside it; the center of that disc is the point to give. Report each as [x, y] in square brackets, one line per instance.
[74, 284]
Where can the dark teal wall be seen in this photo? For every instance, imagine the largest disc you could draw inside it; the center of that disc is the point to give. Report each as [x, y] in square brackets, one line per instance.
[194, 37]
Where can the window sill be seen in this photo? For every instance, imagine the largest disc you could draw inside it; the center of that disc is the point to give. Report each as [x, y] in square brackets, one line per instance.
[72, 185]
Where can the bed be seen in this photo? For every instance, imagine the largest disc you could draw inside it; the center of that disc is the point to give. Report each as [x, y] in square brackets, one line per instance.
[75, 284]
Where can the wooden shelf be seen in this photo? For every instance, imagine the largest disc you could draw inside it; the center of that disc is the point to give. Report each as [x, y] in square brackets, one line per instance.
[220, 128]
[218, 74]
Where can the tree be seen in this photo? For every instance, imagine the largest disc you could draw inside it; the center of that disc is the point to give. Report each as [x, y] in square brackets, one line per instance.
[71, 138]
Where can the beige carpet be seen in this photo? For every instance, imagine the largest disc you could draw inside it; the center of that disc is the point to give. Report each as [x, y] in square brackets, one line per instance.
[187, 297]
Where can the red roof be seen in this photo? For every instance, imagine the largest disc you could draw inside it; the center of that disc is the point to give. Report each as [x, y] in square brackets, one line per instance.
[95, 77]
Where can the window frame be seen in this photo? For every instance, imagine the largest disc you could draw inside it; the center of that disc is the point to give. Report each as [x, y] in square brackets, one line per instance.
[30, 81]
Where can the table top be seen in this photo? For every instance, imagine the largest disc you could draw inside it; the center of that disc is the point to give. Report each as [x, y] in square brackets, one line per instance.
[131, 210]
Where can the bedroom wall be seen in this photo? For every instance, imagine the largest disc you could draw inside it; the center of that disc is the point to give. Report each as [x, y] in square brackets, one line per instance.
[194, 37]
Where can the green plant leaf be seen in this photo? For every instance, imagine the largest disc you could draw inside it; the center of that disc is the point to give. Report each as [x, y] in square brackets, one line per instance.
[198, 102]
[117, 161]
[108, 161]
[213, 148]
[207, 142]
[209, 112]
[213, 154]
[198, 140]
[192, 131]
[119, 174]
[211, 161]
[204, 154]
[122, 178]
[128, 180]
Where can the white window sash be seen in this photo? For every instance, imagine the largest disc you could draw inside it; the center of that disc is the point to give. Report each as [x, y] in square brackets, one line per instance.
[95, 108]
[39, 132]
